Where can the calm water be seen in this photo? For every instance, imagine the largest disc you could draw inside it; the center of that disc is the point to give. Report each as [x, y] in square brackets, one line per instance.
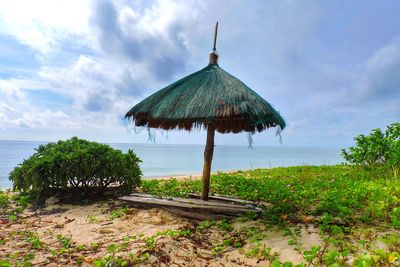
[162, 160]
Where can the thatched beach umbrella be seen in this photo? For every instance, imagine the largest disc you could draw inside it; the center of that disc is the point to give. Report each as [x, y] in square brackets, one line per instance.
[210, 98]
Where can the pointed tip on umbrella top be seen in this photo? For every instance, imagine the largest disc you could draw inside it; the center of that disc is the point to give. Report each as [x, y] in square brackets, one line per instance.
[213, 57]
[215, 37]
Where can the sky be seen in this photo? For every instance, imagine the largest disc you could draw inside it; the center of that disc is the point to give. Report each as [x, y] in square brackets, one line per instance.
[74, 68]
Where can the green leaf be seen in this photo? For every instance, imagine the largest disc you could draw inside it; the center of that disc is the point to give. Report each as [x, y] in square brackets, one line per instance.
[5, 263]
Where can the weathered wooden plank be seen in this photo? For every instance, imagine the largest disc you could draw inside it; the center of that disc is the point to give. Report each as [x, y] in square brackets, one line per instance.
[188, 207]
[225, 198]
[144, 195]
[173, 203]
[210, 202]
[214, 197]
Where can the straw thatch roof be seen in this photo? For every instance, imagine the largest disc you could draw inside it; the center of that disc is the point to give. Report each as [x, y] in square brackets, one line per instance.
[210, 95]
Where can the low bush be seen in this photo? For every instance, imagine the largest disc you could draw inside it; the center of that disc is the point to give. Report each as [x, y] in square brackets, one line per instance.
[77, 164]
[377, 149]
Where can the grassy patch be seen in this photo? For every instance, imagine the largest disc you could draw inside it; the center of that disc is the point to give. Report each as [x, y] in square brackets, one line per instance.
[343, 193]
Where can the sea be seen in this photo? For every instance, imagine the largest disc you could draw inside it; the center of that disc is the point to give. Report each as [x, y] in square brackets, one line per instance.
[176, 160]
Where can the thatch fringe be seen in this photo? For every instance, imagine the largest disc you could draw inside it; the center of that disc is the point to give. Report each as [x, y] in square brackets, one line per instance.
[210, 95]
[222, 125]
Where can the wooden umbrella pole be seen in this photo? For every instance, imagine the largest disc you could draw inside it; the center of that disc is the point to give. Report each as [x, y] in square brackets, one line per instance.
[208, 155]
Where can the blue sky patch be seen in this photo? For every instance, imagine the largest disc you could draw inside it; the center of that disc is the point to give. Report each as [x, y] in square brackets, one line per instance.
[16, 59]
[49, 99]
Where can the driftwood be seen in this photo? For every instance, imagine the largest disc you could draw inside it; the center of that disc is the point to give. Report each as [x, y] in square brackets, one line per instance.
[215, 208]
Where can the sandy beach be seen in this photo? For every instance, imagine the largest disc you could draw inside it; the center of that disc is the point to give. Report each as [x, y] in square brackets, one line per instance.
[91, 229]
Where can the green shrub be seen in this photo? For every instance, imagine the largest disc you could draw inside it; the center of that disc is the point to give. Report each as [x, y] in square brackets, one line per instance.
[77, 164]
[377, 149]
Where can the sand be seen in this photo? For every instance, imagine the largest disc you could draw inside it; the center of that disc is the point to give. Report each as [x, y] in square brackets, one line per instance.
[92, 227]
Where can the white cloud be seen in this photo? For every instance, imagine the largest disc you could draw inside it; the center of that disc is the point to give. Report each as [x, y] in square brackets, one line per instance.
[41, 24]
[10, 91]
[16, 111]
[91, 79]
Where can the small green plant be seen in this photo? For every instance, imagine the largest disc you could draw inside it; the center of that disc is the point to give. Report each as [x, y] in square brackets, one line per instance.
[91, 219]
[12, 217]
[12, 204]
[152, 240]
[269, 255]
[34, 240]
[294, 234]
[21, 199]
[262, 252]
[4, 199]
[225, 225]
[80, 247]
[253, 234]
[64, 241]
[395, 217]
[206, 224]
[118, 213]
[111, 259]
[334, 257]
[127, 238]
[79, 261]
[95, 246]
[312, 255]
[5, 263]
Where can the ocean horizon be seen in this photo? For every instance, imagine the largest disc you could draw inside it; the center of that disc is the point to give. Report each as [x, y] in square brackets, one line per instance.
[160, 160]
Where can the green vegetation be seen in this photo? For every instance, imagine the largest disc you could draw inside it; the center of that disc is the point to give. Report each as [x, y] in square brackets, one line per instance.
[77, 164]
[335, 194]
[377, 149]
[34, 240]
[11, 205]
[91, 218]
[65, 241]
[118, 213]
